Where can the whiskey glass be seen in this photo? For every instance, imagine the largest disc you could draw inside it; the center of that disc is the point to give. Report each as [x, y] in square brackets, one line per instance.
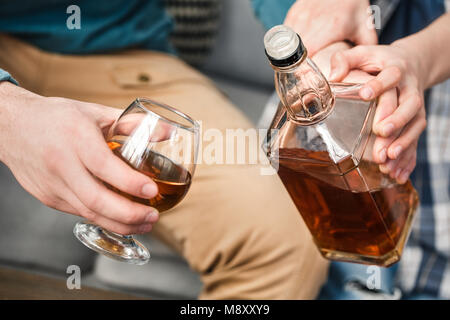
[160, 142]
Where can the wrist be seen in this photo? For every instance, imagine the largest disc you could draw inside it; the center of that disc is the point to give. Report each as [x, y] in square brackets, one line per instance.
[419, 58]
[12, 99]
[5, 116]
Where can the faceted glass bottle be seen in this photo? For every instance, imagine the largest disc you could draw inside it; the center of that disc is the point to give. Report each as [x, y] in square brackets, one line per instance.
[321, 143]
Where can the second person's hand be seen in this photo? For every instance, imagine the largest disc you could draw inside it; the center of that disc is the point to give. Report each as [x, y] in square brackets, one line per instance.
[398, 128]
[324, 22]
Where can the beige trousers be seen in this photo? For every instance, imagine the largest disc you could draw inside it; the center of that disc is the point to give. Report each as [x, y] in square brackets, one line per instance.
[237, 228]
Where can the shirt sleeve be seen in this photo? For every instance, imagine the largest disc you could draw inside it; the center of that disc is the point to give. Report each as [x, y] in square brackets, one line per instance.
[271, 12]
[5, 76]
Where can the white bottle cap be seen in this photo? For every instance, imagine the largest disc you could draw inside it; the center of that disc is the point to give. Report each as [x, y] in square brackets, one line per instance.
[281, 42]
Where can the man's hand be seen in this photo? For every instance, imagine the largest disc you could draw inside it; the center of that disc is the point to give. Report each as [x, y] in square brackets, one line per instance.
[56, 149]
[398, 128]
[323, 22]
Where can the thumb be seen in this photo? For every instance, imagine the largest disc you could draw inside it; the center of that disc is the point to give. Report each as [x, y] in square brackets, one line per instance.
[365, 36]
[344, 61]
[104, 115]
[339, 67]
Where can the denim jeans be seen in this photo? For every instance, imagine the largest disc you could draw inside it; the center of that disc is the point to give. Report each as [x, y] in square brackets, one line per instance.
[350, 281]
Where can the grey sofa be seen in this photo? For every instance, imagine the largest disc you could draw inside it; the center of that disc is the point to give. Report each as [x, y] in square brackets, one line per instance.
[39, 239]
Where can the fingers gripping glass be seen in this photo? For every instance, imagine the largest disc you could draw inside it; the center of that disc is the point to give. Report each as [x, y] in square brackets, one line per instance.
[160, 142]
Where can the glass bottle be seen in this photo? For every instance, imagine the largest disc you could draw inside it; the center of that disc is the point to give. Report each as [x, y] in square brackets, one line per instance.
[321, 142]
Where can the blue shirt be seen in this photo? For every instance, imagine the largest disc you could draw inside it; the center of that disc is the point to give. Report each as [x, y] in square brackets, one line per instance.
[105, 25]
[410, 17]
[271, 12]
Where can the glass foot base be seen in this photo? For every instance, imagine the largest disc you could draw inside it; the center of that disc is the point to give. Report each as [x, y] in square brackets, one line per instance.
[110, 244]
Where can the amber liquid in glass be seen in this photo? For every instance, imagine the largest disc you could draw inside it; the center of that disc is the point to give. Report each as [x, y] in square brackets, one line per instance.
[341, 220]
[173, 180]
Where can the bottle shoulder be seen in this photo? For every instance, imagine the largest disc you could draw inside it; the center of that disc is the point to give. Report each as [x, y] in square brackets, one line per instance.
[343, 134]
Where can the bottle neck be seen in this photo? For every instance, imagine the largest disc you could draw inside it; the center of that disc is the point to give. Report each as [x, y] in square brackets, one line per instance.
[288, 67]
[304, 91]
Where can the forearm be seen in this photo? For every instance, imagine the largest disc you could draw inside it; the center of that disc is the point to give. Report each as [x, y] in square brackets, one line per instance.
[431, 47]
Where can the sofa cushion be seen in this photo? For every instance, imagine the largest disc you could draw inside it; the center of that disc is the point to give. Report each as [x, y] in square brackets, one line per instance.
[239, 50]
[34, 235]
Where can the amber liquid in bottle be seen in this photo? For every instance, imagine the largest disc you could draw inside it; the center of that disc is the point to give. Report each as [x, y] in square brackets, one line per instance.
[370, 223]
[173, 180]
